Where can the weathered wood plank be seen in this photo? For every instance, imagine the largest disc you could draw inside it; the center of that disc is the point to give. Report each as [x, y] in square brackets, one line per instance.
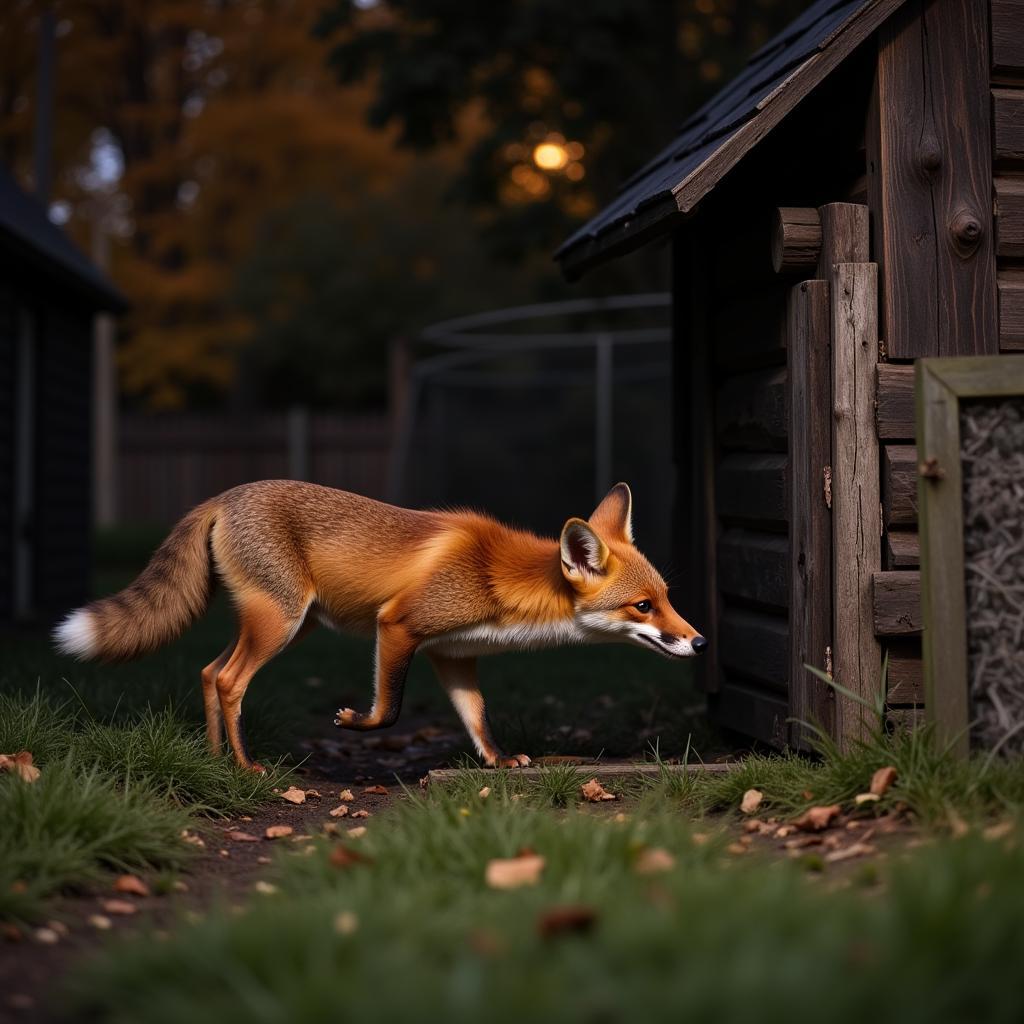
[1008, 122]
[905, 677]
[609, 773]
[897, 603]
[903, 549]
[905, 719]
[1011, 311]
[1007, 37]
[796, 240]
[856, 546]
[754, 567]
[845, 236]
[751, 489]
[751, 710]
[810, 522]
[899, 485]
[930, 180]
[894, 416]
[1009, 217]
[750, 411]
[756, 646]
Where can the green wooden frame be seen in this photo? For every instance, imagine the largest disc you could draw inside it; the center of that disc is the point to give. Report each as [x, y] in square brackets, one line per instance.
[940, 385]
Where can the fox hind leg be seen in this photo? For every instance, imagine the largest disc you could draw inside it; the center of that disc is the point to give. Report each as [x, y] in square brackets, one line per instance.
[211, 698]
[459, 678]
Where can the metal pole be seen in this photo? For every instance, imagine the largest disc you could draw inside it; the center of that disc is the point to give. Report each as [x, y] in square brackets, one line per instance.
[43, 141]
[603, 397]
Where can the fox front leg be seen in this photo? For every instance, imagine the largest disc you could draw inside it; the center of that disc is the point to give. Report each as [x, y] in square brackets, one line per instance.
[395, 648]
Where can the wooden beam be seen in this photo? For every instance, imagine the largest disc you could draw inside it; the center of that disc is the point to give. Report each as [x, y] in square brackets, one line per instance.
[930, 180]
[810, 518]
[845, 233]
[754, 567]
[1010, 217]
[756, 646]
[899, 485]
[1007, 37]
[903, 549]
[905, 678]
[856, 546]
[1011, 311]
[751, 489]
[894, 415]
[897, 603]
[1008, 124]
[796, 240]
[750, 411]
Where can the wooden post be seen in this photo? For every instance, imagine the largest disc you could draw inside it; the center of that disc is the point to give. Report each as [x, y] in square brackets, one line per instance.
[810, 518]
[856, 510]
[796, 240]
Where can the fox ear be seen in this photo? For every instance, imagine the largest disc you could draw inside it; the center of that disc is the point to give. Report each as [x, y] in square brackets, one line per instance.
[614, 516]
[583, 553]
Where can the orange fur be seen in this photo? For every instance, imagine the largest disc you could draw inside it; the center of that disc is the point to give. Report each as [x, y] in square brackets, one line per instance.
[454, 584]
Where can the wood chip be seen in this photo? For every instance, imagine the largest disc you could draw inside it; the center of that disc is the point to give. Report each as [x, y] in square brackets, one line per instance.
[882, 780]
[376, 790]
[595, 792]
[132, 885]
[294, 795]
[118, 907]
[653, 860]
[340, 811]
[100, 922]
[266, 888]
[46, 936]
[238, 836]
[192, 838]
[278, 831]
[484, 793]
[817, 818]
[360, 814]
[359, 830]
[346, 796]
[751, 801]
[514, 872]
[736, 848]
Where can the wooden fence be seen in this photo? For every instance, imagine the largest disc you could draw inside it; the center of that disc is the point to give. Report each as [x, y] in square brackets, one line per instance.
[169, 462]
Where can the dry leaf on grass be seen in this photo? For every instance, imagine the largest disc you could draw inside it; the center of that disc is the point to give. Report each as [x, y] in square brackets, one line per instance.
[346, 923]
[313, 794]
[866, 798]
[484, 793]
[849, 852]
[882, 780]
[294, 795]
[238, 836]
[46, 936]
[20, 764]
[100, 922]
[737, 848]
[346, 796]
[278, 831]
[376, 790]
[345, 857]
[339, 812]
[359, 830]
[266, 888]
[514, 872]
[751, 801]
[132, 885]
[571, 918]
[595, 792]
[653, 860]
[817, 818]
[118, 907]
[192, 838]
[360, 814]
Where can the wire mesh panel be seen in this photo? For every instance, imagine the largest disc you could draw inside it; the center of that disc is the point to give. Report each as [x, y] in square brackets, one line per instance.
[535, 424]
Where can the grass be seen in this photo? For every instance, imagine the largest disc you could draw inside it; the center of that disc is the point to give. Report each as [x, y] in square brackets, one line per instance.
[415, 931]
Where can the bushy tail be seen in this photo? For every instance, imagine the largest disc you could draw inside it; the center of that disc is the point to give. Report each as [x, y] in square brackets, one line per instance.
[170, 594]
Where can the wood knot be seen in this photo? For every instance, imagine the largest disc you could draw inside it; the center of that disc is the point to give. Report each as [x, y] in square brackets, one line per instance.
[929, 155]
[966, 231]
[931, 470]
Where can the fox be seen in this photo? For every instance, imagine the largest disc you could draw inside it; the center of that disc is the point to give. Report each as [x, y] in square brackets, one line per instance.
[454, 585]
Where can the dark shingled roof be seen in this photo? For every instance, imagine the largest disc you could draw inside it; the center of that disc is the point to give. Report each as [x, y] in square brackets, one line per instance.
[721, 132]
[28, 235]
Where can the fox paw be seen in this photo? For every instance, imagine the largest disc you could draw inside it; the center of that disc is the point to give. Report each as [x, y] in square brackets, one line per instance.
[257, 768]
[513, 761]
[346, 717]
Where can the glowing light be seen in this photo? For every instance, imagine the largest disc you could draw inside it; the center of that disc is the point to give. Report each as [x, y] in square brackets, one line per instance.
[550, 156]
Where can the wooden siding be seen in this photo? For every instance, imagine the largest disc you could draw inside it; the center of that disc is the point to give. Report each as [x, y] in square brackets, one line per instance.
[8, 332]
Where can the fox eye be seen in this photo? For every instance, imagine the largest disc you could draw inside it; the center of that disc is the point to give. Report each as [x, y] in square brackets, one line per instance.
[643, 606]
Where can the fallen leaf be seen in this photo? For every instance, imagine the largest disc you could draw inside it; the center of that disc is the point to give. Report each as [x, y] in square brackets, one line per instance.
[100, 922]
[754, 825]
[514, 872]
[179, 886]
[376, 790]
[224, 853]
[882, 780]
[957, 825]
[359, 830]
[267, 888]
[736, 848]
[46, 936]
[345, 796]
[653, 860]
[571, 918]
[118, 907]
[131, 884]
[360, 814]
[817, 818]
[346, 923]
[313, 794]
[998, 831]
[484, 793]
[339, 812]
[700, 838]
[784, 830]
[866, 798]
[849, 852]
[595, 792]
[294, 795]
[802, 842]
[238, 836]
[345, 857]
[751, 801]
[263, 860]
[21, 765]
[191, 837]
[278, 831]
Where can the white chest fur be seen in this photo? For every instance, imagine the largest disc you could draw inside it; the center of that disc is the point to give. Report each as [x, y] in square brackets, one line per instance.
[490, 638]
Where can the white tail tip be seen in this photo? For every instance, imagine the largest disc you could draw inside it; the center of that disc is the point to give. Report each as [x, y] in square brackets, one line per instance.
[76, 635]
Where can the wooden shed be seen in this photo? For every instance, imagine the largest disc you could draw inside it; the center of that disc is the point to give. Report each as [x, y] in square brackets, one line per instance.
[49, 293]
[852, 201]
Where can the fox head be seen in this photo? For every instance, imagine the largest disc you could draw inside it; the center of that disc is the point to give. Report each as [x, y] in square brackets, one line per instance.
[618, 594]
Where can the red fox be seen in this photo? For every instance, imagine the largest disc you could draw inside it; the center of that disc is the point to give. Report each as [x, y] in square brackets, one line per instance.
[454, 585]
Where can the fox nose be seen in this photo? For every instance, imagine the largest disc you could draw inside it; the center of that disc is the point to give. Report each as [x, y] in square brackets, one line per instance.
[698, 643]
